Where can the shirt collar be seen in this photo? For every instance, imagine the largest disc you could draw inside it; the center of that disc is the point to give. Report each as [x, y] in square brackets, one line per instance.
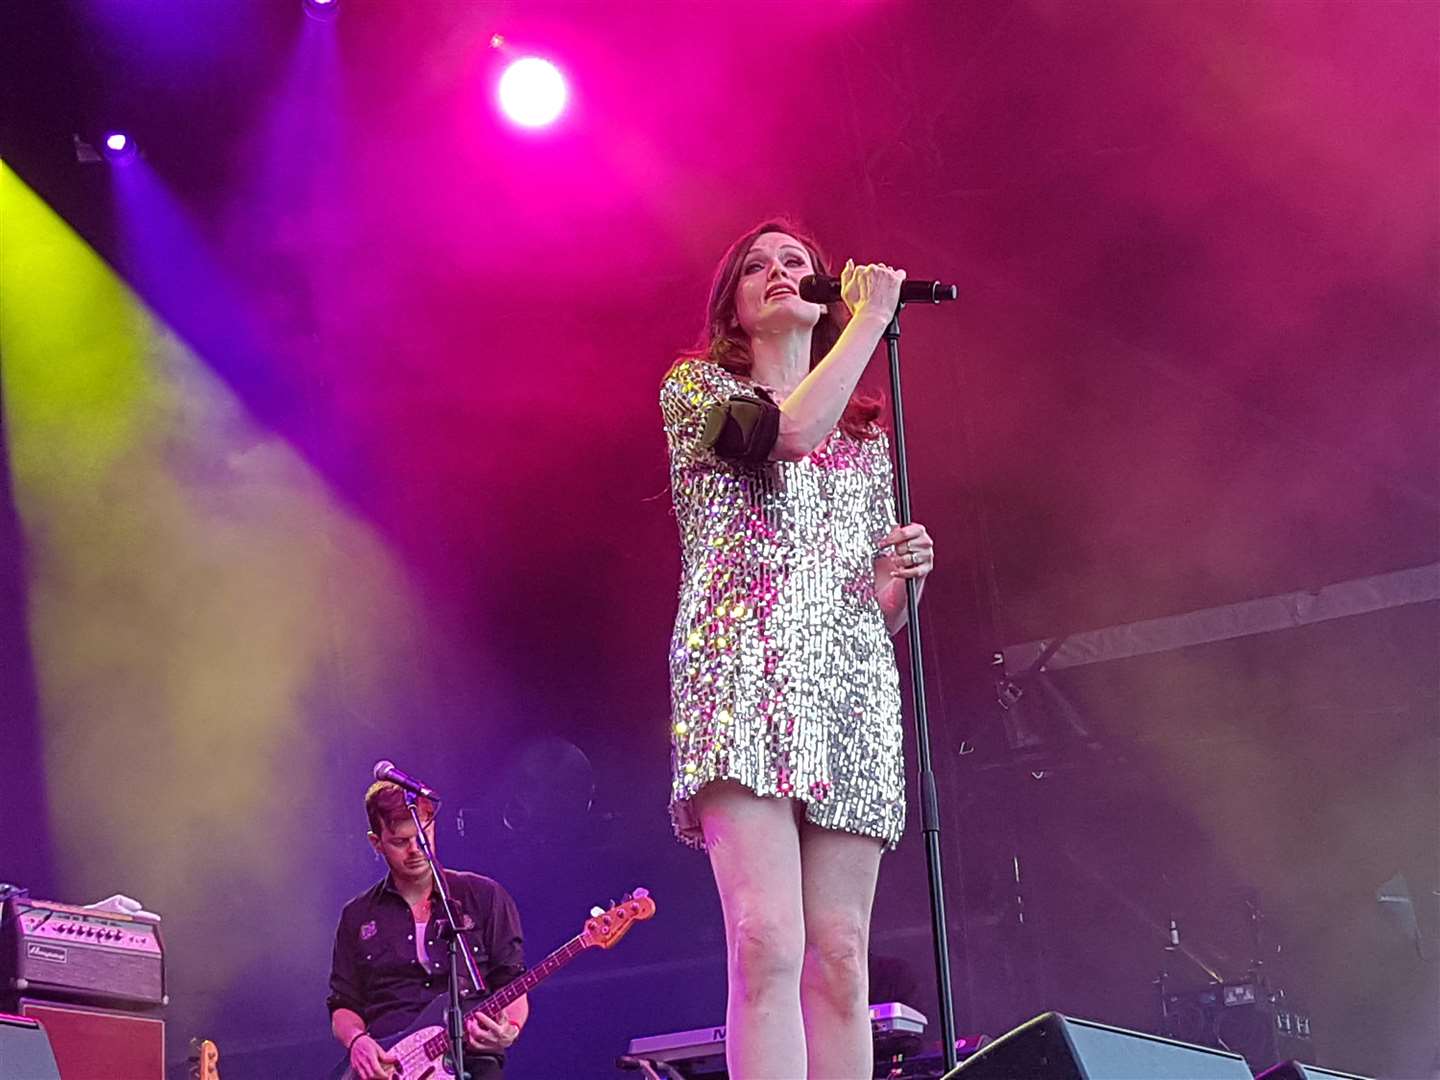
[387, 885]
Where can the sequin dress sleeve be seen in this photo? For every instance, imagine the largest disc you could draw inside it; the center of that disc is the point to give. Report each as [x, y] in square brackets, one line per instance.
[782, 673]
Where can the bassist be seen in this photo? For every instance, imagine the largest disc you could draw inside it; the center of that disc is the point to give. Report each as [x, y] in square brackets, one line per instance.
[391, 961]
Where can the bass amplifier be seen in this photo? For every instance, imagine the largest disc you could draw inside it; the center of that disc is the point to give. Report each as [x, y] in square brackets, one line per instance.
[55, 950]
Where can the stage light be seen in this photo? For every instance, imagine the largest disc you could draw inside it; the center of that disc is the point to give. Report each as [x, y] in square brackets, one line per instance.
[532, 92]
[119, 148]
[322, 9]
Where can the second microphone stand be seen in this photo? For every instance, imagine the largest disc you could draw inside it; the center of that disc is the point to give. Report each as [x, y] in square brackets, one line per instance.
[929, 800]
[455, 1014]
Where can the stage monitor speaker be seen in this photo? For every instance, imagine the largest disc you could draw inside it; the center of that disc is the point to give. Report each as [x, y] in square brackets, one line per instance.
[100, 1044]
[1055, 1047]
[1293, 1070]
[25, 1052]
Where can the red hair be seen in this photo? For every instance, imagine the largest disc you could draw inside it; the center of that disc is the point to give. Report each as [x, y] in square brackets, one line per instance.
[723, 342]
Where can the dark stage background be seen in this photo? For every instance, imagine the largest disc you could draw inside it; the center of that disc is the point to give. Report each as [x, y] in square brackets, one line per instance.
[331, 434]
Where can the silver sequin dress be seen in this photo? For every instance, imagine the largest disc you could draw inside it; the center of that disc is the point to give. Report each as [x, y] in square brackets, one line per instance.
[782, 673]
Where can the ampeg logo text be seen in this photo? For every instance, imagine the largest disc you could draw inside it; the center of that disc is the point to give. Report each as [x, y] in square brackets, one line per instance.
[46, 952]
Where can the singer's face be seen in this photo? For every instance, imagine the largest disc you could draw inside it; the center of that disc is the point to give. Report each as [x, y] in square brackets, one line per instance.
[400, 849]
[767, 298]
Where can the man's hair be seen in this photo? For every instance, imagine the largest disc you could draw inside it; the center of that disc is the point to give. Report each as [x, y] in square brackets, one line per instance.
[385, 806]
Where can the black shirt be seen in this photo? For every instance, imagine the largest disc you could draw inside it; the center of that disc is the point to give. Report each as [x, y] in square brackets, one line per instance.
[375, 971]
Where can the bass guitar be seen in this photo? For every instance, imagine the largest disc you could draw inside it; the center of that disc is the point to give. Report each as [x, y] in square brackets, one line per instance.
[423, 1049]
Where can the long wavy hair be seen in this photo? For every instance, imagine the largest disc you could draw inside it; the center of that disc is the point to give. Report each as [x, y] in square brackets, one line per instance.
[724, 342]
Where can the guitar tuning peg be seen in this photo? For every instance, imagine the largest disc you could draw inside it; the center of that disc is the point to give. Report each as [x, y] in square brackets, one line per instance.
[626, 898]
[640, 894]
[596, 911]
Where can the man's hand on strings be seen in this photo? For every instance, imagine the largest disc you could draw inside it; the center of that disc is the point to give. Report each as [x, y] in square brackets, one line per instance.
[483, 1033]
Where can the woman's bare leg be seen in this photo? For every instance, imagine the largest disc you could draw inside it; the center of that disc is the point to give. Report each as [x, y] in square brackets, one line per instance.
[754, 851]
[838, 873]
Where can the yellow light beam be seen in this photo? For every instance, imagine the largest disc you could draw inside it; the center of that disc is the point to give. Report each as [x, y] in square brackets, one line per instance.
[189, 578]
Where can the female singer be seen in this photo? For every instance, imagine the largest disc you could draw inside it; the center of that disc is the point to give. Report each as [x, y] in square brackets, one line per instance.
[786, 724]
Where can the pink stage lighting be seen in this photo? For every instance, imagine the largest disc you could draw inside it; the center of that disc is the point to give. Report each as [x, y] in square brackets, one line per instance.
[322, 10]
[532, 92]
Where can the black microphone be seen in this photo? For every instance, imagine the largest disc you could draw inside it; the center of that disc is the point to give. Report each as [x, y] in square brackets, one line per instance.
[819, 289]
[386, 770]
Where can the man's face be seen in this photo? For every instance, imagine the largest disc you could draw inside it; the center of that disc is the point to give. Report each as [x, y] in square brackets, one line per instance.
[400, 848]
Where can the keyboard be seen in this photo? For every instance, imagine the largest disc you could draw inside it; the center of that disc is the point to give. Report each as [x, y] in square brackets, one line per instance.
[699, 1052]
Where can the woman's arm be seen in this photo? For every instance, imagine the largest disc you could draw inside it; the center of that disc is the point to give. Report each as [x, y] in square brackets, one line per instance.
[814, 408]
[912, 556]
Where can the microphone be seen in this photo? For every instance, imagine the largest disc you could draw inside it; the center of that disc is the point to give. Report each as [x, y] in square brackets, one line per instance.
[819, 289]
[386, 770]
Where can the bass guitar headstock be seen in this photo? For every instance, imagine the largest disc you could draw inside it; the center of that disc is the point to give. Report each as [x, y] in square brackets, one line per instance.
[605, 928]
[204, 1060]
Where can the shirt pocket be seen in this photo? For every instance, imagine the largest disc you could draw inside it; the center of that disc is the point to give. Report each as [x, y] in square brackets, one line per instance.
[388, 956]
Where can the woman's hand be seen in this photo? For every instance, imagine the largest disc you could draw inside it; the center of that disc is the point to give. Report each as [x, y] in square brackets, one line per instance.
[813, 409]
[483, 1033]
[871, 289]
[912, 551]
[910, 554]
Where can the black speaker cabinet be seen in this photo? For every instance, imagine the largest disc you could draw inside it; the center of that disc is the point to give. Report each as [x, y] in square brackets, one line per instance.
[25, 1052]
[1293, 1070]
[1055, 1047]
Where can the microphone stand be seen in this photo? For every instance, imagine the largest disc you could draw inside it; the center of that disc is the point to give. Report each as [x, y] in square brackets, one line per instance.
[929, 801]
[454, 1016]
